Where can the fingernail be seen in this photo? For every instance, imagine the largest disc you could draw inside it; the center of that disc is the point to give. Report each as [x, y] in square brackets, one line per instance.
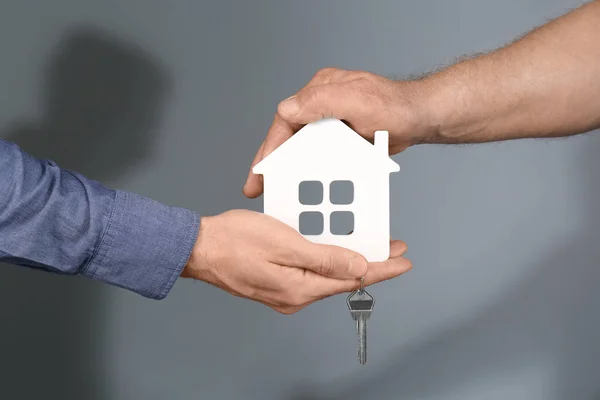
[289, 106]
[357, 267]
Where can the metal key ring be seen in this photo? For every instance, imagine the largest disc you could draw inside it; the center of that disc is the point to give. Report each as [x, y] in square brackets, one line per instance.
[361, 290]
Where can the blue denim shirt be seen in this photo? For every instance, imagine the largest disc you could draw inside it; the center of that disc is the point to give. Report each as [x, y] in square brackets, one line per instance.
[59, 221]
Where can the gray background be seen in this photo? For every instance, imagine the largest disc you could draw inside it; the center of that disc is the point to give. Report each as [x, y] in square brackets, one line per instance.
[170, 99]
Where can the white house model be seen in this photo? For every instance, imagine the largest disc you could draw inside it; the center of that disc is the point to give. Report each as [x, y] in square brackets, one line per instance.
[327, 158]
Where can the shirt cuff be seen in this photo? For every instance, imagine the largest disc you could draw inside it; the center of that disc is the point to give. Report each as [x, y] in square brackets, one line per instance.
[145, 246]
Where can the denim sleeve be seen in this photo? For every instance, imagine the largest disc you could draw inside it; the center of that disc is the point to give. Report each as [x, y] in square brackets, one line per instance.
[59, 221]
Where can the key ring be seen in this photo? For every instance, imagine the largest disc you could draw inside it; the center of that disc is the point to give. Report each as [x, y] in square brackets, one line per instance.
[361, 290]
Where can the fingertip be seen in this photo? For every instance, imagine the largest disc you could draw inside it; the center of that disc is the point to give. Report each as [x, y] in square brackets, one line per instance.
[397, 248]
[357, 266]
[289, 107]
[409, 265]
[390, 269]
[252, 189]
[403, 265]
[247, 192]
[247, 189]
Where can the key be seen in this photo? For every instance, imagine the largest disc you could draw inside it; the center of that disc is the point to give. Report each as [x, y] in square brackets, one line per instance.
[361, 303]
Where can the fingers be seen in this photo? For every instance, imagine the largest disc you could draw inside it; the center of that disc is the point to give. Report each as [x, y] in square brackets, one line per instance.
[352, 96]
[334, 75]
[389, 269]
[314, 286]
[322, 287]
[330, 261]
[395, 266]
[254, 183]
[332, 269]
[279, 132]
[315, 102]
[340, 263]
[397, 248]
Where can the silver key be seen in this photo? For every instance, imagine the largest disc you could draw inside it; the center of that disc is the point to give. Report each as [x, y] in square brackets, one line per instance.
[361, 303]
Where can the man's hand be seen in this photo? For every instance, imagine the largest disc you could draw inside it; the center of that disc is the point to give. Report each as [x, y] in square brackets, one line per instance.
[544, 84]
[365, 101]
[255, 256]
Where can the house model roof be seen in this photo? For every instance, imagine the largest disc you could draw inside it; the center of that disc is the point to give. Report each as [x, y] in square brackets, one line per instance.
[329, 141]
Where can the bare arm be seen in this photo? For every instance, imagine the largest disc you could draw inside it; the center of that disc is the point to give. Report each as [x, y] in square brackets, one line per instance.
[546, 84]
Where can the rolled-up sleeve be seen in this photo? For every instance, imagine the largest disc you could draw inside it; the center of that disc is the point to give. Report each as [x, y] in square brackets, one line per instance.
[59, 221]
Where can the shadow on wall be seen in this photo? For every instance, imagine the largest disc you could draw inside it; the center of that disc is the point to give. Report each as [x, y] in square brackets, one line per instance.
[543, 334]
[102, 104]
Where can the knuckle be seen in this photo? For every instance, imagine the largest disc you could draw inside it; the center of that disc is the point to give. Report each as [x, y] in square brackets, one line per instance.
[293, 297]
[287, 298]
[364, 75]
[327, 71]
[327, 264]
[313, 102]
[365, 84]
[284, 310]
[252, 293]
[288, 310]
[296, 300]
[312, 96]
[275, 119]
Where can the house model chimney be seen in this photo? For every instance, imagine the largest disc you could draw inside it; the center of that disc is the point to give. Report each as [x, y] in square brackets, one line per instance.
[382, 142]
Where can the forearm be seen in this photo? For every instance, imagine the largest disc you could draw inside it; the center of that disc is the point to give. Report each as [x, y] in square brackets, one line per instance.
[59, 221]
[546, 84]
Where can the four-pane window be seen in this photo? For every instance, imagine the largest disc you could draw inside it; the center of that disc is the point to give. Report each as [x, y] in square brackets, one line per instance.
[341, 222]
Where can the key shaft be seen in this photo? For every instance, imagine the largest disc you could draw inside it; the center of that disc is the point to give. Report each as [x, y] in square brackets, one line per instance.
[362, 341]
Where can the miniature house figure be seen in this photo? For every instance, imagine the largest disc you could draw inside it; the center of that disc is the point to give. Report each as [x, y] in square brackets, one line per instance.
[327, 157]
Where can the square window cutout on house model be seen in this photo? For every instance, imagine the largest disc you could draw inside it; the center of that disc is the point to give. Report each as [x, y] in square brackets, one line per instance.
[332, 186]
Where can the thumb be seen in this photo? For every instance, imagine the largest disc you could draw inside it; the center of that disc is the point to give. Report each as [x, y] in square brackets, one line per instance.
[331, 261]
[315, 102]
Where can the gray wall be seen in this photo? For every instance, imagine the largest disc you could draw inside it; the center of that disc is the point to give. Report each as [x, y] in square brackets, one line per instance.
[171, 98]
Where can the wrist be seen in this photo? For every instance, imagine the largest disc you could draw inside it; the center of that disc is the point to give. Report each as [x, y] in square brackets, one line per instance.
[420, 114]
[455, 106]
[198, 266]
